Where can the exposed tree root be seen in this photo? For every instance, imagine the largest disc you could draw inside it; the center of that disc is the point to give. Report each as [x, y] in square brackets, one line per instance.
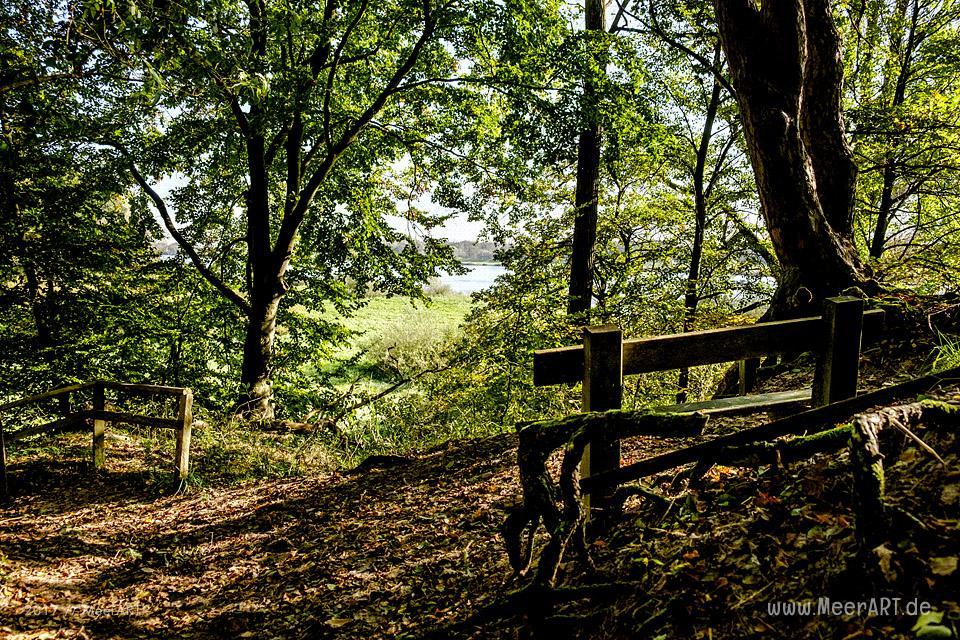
[872, 517]
[564, 522]
[559, 508]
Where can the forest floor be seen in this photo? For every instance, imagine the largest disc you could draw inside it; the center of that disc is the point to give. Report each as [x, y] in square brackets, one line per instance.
[415, 547]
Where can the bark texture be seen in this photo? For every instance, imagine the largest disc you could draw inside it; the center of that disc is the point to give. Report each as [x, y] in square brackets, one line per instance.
[784, 62]
[559, 507]
[587, 192]
[869, 482]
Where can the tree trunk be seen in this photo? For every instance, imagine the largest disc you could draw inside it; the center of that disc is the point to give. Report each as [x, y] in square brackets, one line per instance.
[785, 65]
[885, 208]
[691, 298]
[38, 308]
[257, 400]
[588, 186]
[256, 403]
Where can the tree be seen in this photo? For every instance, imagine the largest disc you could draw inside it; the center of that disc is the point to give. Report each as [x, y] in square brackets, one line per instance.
[786, 68]
[293, 122]
[901, 64]
[73, 248]
[587, 190]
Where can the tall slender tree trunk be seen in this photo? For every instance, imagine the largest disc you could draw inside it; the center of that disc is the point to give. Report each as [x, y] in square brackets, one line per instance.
[884, 209]
[784, 61]
[885, 206]
[588, 184]
[691, 298]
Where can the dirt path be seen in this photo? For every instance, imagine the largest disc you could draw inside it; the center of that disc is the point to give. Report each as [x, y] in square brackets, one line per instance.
[369, 555]
[383, 553]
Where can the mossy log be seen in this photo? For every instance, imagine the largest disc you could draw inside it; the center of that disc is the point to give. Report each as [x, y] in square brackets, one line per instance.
[784, 450]
[867, 460]
[559, 507]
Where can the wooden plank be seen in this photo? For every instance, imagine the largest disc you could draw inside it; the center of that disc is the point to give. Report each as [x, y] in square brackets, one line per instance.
[798, 423]
[557, 366]
[602, 391]
[116, 386]
[143, 388]
[131, 418]
[662, 353]
[185, 418]
[45, 396]
[60, 425]
[742, 404]
[838, 364]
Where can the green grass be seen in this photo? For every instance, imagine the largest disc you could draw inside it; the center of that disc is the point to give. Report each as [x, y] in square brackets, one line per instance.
[383, 315]
[948, 352]
[398, 334]
[395, 336]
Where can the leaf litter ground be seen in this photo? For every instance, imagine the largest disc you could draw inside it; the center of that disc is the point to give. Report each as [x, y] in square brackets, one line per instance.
[395, 552]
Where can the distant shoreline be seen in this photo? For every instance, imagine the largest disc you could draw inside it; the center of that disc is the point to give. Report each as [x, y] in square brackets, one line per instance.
[481, 263]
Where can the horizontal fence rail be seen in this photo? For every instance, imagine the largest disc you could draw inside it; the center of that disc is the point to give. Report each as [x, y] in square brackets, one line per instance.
[605, 358]
[677, 351]
[96, 418]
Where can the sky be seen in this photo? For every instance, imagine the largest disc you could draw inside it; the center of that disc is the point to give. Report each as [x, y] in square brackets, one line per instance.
[456, 229]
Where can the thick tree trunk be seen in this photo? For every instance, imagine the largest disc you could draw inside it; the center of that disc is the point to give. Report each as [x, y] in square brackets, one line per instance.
[784, 63]
[257, 400]
[822, 125]
[587, 188]
[256, 403]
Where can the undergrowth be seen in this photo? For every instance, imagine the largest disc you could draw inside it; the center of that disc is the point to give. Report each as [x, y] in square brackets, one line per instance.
[947, 354]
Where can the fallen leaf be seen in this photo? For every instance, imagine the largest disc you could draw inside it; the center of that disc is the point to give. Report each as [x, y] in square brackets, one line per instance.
[336, 623]
[885, 558]
[943, 566]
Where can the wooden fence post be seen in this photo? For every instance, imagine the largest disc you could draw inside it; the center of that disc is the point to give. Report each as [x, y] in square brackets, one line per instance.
[63, 405]
[748, 375]
[185, 417]
[839, 361]
[3, 464]
[99, 426]
[602, 391]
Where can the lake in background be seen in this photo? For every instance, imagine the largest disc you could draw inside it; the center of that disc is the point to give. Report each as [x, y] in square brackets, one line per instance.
[478, 276]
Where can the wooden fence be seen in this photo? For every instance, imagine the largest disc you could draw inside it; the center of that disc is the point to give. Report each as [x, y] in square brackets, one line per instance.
[604, 358]
[96, 418]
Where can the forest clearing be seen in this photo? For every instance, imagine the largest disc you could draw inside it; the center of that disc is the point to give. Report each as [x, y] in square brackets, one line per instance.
[539, 319]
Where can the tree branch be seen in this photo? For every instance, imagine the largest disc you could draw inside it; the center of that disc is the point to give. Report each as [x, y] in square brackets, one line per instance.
[210, 277]
[291, 222]
[685, 49]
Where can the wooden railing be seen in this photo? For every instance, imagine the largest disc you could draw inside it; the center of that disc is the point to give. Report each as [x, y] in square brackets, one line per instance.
[604, 358]
[96, 418]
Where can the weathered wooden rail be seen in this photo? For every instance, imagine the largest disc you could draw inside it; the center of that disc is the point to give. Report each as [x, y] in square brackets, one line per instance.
[604, 358]
[96, 418]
